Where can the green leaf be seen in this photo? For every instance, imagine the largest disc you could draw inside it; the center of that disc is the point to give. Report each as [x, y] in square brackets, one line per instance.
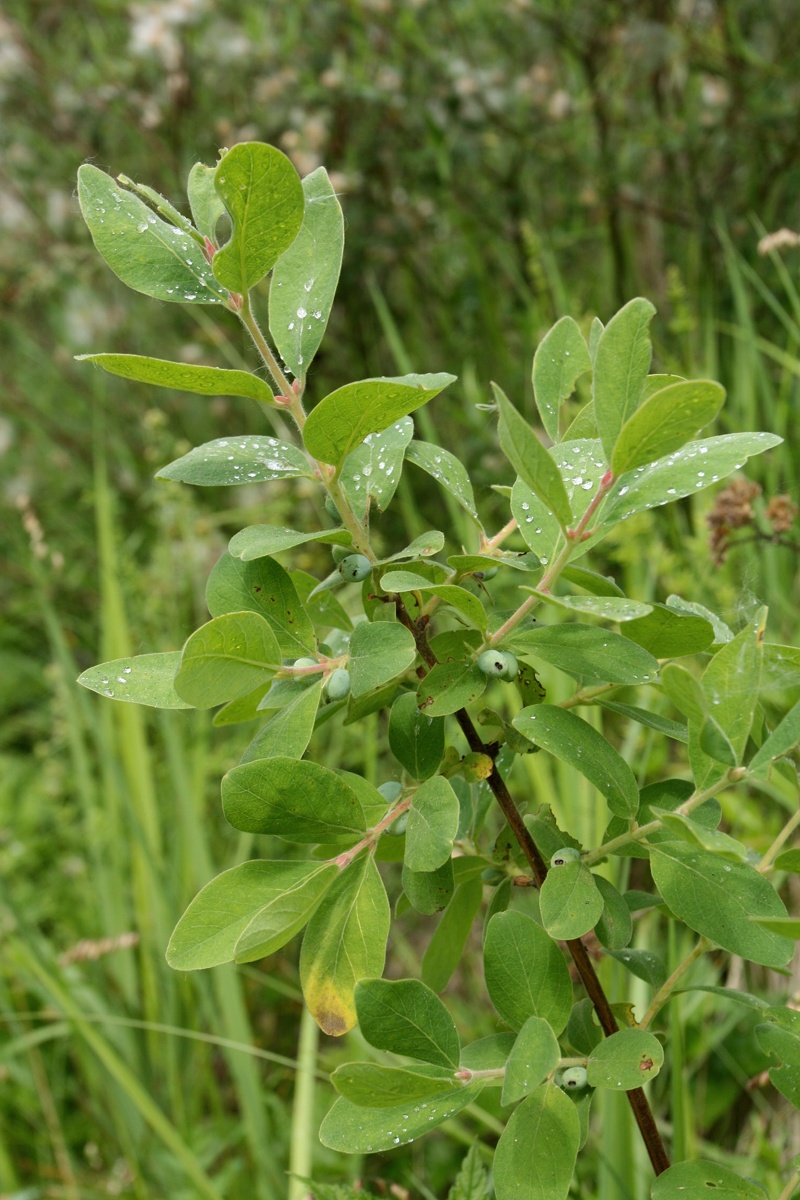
[714, 742]
[248, 912]
[450, 686]
[205, 381]
[534, 1057]
[432, 825]
[696, 466]
[488, 1053]
[560, 359]
[620, 368]
[615, 927]
[592, 581]
[143, 251]
[246, 708]
[415, 739]
[789, 860]
[344, 418]
[666, 633]
[625, 1060]
[576, 742]
[144, 679]
[583, 1033]
[445, 949]
[370, 474]
[324, 609]
[259, 540]
[581, 466]
[722, 633]
[607, 608]
[530, 460]
[372, 1085]
[290, 730]
[423, 546]
[731, 682]
[526, 975]
[262, 586]
[354, 1130]
[447, 470]
[406, 1017]
[227, 658]
[684, 690]
[472, 1181]
[305, 276]
[686, 1180]
[378, 653]
[585, 650]
[429, 891]
[296, 800]
[569, 902]
[657, 383]
[452, 595]
[787, 926]
[344, 943]
[716, 898]
[262, 192]
[643, 964]
[206, 206]
[535, 1156]
[237, 460]
[665, 422]
[651, 720]
[783, 738]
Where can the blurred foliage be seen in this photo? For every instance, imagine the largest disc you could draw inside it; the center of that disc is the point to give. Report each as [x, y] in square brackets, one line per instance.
[500, 164]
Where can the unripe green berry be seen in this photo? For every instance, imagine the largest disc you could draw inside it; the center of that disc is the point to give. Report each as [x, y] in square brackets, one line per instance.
[305, 662]
[492, 662]
[487, 573]
[355, 567]
[512, 666]
[574, 1079]
[390, 790]
[338, 684]
[567, 854]
[398, 827]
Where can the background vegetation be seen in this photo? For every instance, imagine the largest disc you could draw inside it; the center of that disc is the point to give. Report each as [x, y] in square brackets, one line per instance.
[500, 164]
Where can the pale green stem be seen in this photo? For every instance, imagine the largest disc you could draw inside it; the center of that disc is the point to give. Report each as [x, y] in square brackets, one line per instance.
[493, 542]
[788, 829]
[343, 860]
[245, 315]
[665, 991]
[304, 1127]
[292, 394]
[574, 538]
[791, 1186]
[644, 831]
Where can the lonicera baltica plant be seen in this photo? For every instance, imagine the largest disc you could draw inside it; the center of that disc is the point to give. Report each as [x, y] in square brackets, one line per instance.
[411, 636]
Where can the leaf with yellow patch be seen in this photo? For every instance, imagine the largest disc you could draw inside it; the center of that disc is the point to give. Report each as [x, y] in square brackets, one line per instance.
[345, 941]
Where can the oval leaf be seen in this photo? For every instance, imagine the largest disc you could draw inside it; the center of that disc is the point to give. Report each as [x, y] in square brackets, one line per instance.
[665, 422]
[447, 470]
[227, 658]
[560, 359]
[415, 739]
[354, 1130]
[534, 1057]
[688, 1179]
[526, 975]
[378, 653]
[236, 460]
[585, 650]
[372, 1085]
[144, 679]
[535, 1156]
[204, 381]
[247, 913]
[625, 1061]
[345, 941]
[296, 800]
[343, 419]
[621, 364]
[305, 276]
[570, 902]
[262, 586]
[432, 825]
[717, 898]
[406, 1017]
[450, 686]
[146, 253]
[262, 192]
[530, 460]
[576, 742]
